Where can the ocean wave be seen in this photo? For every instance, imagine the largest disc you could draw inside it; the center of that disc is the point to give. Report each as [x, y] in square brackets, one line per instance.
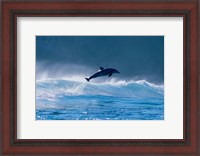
[51, 89]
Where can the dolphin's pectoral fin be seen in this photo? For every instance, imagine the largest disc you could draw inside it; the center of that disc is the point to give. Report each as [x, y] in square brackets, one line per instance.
[109, 75]
[101, 68]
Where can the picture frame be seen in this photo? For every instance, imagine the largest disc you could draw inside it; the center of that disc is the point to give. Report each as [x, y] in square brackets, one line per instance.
[12, 10]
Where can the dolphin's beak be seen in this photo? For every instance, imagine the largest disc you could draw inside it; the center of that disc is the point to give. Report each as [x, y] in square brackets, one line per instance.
[118, 72]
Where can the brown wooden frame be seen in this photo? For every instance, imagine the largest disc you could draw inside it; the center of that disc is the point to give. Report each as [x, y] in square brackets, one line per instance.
[12, 10]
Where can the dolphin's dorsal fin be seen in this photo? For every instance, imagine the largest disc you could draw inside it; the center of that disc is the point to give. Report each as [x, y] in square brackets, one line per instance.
[101, 68]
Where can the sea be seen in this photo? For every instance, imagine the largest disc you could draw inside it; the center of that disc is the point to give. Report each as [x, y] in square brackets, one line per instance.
[62, 99]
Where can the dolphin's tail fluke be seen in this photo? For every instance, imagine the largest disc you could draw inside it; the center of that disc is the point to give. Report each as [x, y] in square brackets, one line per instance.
[87, 79]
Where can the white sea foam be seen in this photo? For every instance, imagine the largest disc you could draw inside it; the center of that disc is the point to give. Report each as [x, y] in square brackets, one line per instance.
[52, 89]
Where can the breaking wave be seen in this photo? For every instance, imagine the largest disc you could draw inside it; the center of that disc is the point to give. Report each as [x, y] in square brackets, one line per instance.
[51, 89]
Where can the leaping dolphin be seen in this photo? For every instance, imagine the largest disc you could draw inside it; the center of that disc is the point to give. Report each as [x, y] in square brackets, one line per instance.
[103, 72]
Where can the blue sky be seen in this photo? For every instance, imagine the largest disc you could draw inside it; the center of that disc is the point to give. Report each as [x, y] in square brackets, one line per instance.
[136, 57]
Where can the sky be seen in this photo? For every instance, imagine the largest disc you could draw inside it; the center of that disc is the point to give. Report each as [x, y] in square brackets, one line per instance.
[136, 57]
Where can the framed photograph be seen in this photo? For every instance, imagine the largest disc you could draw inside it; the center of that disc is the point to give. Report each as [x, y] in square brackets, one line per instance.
[100, 77]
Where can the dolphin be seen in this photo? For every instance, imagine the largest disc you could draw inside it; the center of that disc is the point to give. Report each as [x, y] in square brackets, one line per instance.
[103, 72]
